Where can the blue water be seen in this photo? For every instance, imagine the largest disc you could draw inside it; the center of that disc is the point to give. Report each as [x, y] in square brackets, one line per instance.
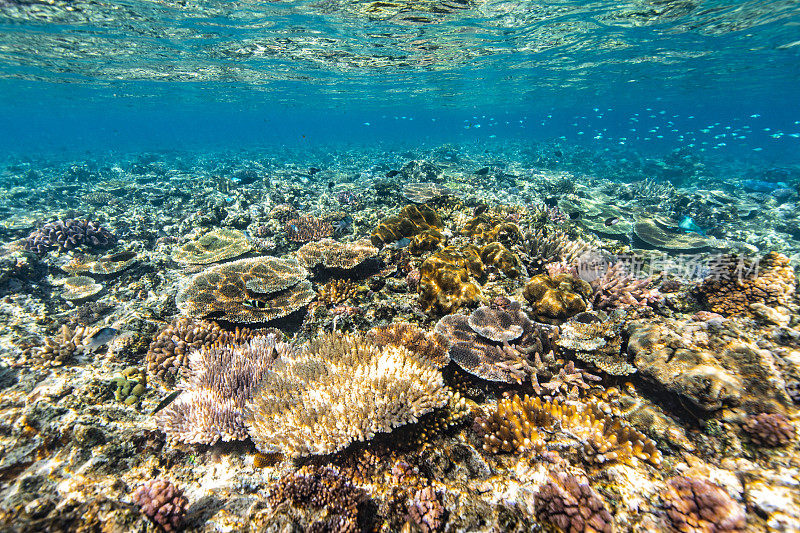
[719, 79]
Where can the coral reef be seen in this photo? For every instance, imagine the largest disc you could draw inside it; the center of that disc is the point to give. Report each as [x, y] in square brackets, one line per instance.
[711, 363]
[425, 241]
[545, 245]
[770, 429]
[68, 234]
[446, 279]
[162, 502]
[571, 505]
[131, 384]
[341, 389]
[697, 505]
[307, 228]
[334, 254]
[322, 487]
[428, 344]
[526, 425]
[480, 343]
[221, 382]
[220, 244]
[556, 298]
[735, 283]
[247, 291]
[411, 220]
[62, 348]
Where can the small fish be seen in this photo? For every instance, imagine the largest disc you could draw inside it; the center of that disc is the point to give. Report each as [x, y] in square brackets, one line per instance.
[482, 171]
[392, 173]
[331, 185]
[401, 243]
[481, 209]
[575, 215]
[101, 337]
[166, 401]
[313, 170]
[688, 225]
[611, 221]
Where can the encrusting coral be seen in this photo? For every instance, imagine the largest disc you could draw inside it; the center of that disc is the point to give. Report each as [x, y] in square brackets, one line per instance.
[411, 220]
[571, 505]
[221, 382]
[341, 389]
[770, 429]
[526, 424]
[496, 344]
[247, 291]
[556, 298]
[162, 502]
[697, 505]
[735, 283]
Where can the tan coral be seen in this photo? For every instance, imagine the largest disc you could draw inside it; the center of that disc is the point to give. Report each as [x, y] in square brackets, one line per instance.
[427, 344]
[556, 298]
[411, 220]
[495, 254]
[337, 291]
[219, 244]
[333, 254]
[447, 279]
[338, 390]
[60, 348]
[487, 228]
[247, 291]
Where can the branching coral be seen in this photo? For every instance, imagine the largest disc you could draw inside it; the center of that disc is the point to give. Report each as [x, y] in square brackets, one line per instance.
[527, 424]
[428, 344]
[221, 381]
[61, 348]
[341, 389]
[699, 506]
[307, 228]
[618, 288]
[337, 291]
[246, 291]
[735, 283]
[482, 345]
[548, 245]
[571, 505]
[426, 511]
[162, 502]
[68, 234]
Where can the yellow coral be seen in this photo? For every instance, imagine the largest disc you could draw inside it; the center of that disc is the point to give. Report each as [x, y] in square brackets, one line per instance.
[411, 220]
[556, 298]
[446, 279]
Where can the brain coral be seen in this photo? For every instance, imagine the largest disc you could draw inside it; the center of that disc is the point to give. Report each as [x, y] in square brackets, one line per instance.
[333, 254]
[711, 364]
[341, 389]
[221, 381]
[556, 298]
[735, 283]
[446, 279]
[217, 245]
[495, 344]
[247, 291]
[411, 220]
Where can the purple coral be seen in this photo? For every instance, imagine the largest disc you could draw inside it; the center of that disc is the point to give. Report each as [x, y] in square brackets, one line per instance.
[426, 511]
[162, 502]
[68, 234]
[618, 288]
[572, 505]
[770, 429]
[699, 505]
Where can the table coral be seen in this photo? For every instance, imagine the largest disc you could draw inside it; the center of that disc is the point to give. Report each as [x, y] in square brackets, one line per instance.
[333, 254]
[556, 298]
[217, 245]
[341, 389]
[247, 291]
[735, 283]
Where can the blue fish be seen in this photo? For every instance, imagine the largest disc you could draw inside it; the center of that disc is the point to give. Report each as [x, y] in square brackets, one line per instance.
[688, 225]
[763, 186]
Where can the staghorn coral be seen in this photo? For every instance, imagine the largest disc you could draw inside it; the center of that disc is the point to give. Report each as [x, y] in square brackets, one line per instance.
[306, 229]
[427, 344]
[597, 341]
[215, 246]
[711, 363]
[334, 254]
[699, 506]
[447, 279]
[735, 283]
[253, 291]
[545, 245]
[426, 511]
[221, 380]
[617, 288]
[770, 429]
[496, 360]
[556, 298]
[337, 291]
[341, 389]
[527, 424]
[322, 487]
[162, 502]
[569, 381]
[68, 234]
[411, 220]
[571, 505]
[169, 351]
[497, 255]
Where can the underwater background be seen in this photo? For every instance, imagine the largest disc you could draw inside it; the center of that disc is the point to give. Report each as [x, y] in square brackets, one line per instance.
[399, 265]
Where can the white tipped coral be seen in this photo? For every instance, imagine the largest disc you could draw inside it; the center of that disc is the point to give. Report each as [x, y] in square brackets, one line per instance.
[338, 390]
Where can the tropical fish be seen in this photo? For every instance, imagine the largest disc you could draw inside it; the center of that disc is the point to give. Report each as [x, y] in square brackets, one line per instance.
[611, 221]
[101, 337]
[763, 186]
[166, 401]
[688, 225]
